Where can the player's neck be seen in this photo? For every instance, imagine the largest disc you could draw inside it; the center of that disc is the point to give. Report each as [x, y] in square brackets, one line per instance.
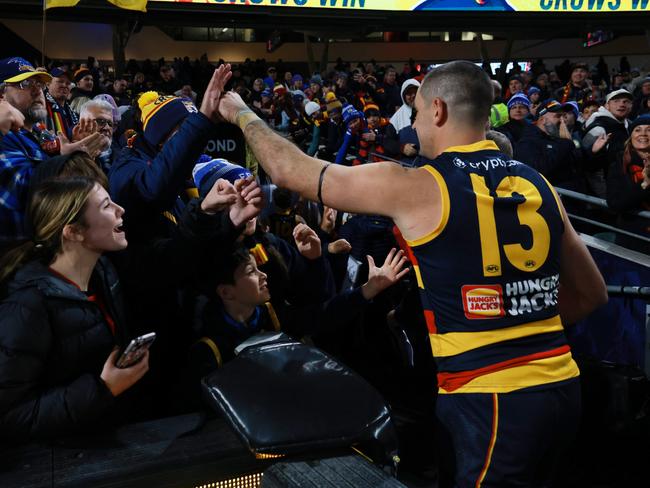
[455, 136]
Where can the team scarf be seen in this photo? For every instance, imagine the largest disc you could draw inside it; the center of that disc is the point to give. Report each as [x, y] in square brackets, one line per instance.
[57, 116]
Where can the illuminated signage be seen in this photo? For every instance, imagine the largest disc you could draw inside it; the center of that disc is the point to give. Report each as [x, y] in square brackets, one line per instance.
[438, 5]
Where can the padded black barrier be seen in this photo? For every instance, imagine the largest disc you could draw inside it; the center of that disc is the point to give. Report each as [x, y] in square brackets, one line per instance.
[284, 397]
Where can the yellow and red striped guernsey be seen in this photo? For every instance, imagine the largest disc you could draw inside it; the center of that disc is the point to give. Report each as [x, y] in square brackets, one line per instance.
[489, 275]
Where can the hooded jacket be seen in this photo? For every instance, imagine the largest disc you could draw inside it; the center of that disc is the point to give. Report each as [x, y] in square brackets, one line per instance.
[603, 122]
[402, 117]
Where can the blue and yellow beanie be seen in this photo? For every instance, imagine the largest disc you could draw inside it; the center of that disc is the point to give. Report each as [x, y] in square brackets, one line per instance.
[161, 114]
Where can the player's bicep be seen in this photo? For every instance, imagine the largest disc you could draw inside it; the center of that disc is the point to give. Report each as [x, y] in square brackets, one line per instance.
[377, 188]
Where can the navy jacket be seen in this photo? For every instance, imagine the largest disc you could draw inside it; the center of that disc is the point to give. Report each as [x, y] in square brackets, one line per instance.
[147, 182]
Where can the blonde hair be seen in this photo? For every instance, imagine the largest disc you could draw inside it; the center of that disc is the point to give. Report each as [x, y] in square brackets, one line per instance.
[55, 204]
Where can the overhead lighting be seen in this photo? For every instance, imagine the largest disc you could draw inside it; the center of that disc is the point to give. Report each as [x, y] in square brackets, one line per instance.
[225, 29]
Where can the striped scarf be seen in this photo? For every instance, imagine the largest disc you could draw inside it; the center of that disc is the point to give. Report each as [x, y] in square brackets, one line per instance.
[60, 119]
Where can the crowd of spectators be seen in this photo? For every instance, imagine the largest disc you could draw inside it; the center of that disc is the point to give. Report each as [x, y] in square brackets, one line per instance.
[216, 252]
[360, 113]
[586, 134]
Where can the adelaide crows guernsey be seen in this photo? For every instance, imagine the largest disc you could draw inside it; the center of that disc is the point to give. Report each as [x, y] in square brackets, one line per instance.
[489, 275]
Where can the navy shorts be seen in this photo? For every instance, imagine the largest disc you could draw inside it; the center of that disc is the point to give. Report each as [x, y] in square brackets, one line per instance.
[506, 439]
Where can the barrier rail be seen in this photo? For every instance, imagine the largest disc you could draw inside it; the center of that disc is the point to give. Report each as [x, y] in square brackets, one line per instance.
[600, 202]
[618, 230]
[636, 292]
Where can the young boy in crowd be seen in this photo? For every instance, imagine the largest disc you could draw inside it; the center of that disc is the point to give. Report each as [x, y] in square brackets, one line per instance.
[372, 138]
[238, 304]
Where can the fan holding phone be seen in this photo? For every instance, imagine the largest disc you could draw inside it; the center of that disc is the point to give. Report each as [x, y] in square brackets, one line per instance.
[118, 373]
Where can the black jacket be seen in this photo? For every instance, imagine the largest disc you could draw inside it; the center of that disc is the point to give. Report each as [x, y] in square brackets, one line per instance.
[513, 130]
[553, 157]
[335, 133]
[53, 344]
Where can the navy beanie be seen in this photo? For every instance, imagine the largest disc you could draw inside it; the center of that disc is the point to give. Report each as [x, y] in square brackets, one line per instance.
[519, 99]
[349, 113]
[640, 120]
[161, 114]
[572, 106]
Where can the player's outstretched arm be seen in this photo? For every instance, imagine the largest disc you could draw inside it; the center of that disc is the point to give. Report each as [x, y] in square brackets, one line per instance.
[378, 188]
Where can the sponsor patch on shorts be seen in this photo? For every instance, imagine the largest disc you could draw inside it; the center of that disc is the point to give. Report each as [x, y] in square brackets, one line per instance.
[483, 301]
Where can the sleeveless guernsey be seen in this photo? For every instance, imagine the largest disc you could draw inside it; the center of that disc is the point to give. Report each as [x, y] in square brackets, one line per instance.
[489, 275]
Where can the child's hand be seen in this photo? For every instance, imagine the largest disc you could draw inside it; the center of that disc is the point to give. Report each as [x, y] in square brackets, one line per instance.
[307, 241]
[381, 278]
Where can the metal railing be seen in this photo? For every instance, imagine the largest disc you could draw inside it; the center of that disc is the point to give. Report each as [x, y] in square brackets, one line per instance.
[635, 292]
[608, 227]
[599, 202]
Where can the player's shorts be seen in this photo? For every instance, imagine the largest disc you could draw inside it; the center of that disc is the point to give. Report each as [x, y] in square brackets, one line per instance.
[506, 439]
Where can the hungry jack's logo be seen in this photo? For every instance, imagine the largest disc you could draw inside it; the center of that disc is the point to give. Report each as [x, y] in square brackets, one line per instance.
[483, 301]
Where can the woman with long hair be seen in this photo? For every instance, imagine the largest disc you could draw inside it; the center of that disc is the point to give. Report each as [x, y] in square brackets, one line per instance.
[628, 178]
[62, 321]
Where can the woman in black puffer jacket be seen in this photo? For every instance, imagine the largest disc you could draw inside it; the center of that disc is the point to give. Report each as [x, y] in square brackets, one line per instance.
[62, 322]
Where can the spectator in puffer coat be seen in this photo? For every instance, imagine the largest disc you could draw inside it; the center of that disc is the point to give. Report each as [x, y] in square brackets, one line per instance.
[62, 320]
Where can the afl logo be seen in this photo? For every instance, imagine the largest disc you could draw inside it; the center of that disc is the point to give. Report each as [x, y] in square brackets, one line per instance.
[459, 163]
[492, 268]
[530, 263]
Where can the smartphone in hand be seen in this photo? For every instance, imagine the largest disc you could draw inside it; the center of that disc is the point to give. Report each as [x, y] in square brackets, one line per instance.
[135, 350]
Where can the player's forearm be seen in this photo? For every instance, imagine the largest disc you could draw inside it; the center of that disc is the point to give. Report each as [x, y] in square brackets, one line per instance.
[287, 165]
[582, 287]
[575, 305]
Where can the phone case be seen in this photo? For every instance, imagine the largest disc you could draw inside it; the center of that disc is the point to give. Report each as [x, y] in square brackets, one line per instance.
[135, 350]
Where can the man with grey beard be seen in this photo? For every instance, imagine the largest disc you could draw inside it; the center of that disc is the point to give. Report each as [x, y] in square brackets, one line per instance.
[21, 149]
[546, 145]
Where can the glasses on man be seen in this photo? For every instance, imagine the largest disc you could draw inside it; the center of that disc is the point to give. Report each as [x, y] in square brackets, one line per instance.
[28, 84]
[103, 123]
